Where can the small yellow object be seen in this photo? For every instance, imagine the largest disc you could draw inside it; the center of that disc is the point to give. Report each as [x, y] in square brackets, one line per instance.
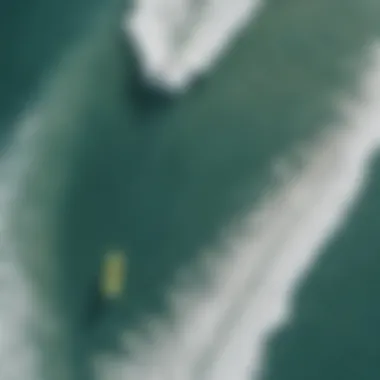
[114, 273]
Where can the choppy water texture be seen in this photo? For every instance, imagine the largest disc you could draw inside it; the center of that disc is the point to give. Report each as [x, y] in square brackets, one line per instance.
[247, 203]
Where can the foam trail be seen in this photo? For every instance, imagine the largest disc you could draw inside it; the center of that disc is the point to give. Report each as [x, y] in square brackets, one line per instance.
[23, 257]
[18, 359]
[220, 333]
[178, 40]
[34, 173]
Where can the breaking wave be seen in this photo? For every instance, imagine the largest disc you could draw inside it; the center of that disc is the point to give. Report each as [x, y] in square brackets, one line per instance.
[179, 40]
[34, 174]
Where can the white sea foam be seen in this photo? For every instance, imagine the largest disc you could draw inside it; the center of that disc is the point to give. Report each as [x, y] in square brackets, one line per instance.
[178, 40]
[21, 217]
[221, 332]
[34, 170]
[31, 183]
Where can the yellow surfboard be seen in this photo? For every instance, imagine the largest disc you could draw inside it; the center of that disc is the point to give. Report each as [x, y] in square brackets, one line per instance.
[113, 274]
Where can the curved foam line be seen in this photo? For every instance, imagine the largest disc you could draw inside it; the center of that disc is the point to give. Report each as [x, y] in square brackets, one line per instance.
[33, 176]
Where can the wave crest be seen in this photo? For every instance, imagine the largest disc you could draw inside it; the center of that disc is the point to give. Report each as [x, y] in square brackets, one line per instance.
[177, 41]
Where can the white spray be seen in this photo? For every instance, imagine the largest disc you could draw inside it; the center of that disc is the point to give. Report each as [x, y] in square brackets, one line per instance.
[178, 40]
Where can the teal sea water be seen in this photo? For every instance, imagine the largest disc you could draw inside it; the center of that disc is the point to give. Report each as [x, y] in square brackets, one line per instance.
[94, 160]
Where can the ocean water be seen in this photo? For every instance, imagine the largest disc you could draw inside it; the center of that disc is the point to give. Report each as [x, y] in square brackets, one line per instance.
[231, 152]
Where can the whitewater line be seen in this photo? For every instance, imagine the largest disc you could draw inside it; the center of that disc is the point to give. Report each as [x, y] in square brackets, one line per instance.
[251, 288]
[32, 182]
[177, 41]
[34, 171]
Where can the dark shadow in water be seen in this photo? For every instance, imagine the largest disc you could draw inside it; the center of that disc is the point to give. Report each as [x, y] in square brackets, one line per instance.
[147, 100]
[147, 97]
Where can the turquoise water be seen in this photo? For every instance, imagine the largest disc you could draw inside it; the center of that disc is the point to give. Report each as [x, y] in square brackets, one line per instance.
[119, 166]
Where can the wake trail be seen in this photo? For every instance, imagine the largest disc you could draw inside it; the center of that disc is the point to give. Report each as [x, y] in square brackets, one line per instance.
[221, 331]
